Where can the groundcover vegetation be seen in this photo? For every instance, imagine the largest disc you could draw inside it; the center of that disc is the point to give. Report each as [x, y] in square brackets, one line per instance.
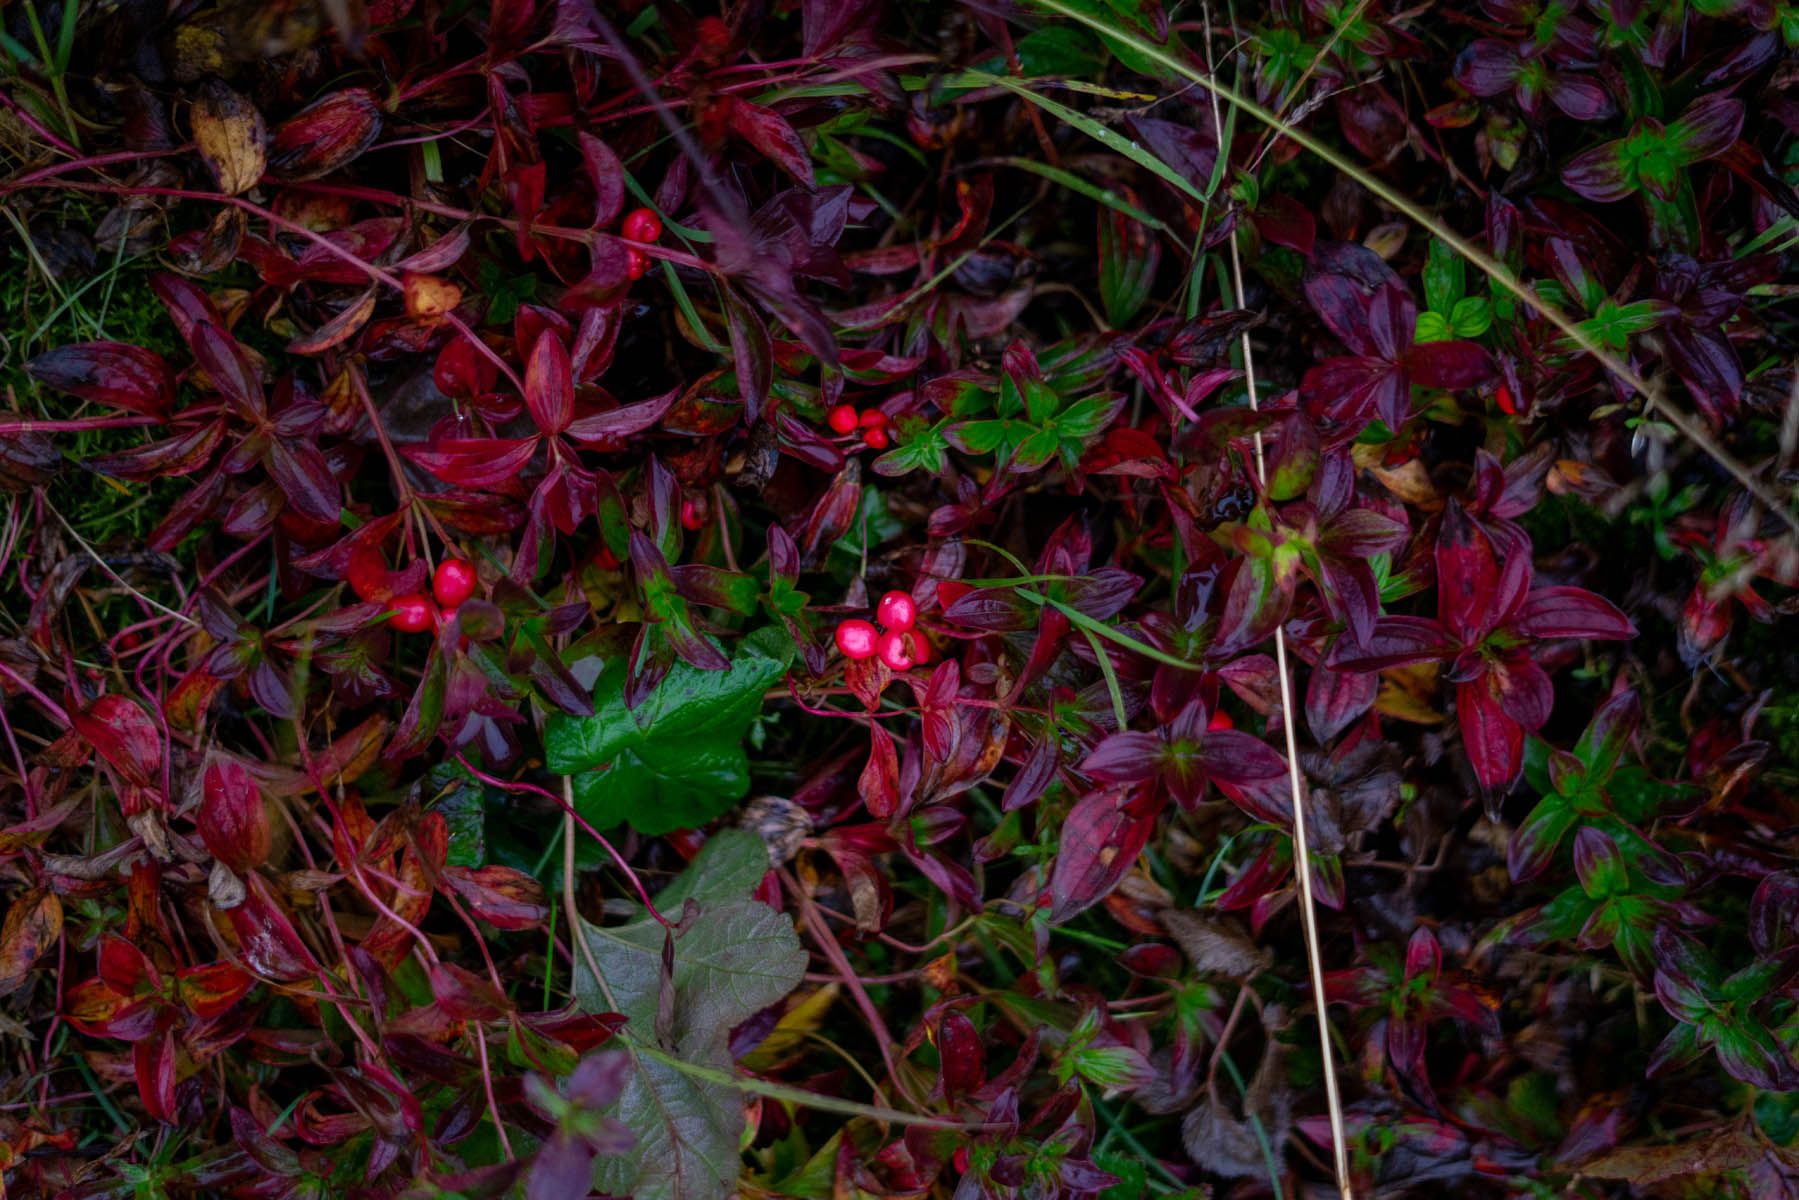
[685, 602]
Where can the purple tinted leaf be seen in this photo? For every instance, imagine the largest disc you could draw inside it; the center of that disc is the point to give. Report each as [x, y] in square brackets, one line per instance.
[1493, 741]
[1598, 864]
[621, 423]
[1396, 642]
[1602, 174]
[1581, 97]
[111, 373]
[1535, 842]
[1127, 757]
[773, 137]
[1467, 577]
[299, 469]
[607, 175]
[1335, 700]
[1708, 128]
[1571, 612]
[223, 361]
[1101, 838]
[550, 383]
[1487, 67]
[474, 462]
[1451, 365]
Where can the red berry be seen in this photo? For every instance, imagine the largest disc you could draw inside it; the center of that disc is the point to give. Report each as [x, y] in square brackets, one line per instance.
[842, 419]
[875, 439]
[453, 582]
[636, 263]
[1221, 720]
[856, 638]
[921, 647]
[873, 418]
[605, 559]
[693, 514]
[897, 610]
[895, 648]
[413, 613]
[960, 1159]
[642, 225]
[1503, 398]
[368, 574]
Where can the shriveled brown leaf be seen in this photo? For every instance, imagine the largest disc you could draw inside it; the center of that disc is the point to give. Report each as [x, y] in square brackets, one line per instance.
[33, 924]
[230, 135]
[1215, 947]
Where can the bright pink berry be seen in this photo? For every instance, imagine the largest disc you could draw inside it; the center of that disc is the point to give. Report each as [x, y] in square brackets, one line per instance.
[897, 610]
[413, 613]
[693, 514]
[1221, 720]
[842, 419]
[642, 225]
[856, 638]
[875, 439]
[895, 648]
[873, 418]
[453, 582]
[636, 263]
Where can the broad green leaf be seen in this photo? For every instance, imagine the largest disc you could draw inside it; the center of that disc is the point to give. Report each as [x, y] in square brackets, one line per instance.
[923, 450]
[677, 760]
[734, 957]
[1471, 317]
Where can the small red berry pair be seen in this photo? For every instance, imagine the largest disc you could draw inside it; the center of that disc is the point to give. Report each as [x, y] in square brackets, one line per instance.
[844, 419]
[640, 225]
[453, 582]
[899, 646]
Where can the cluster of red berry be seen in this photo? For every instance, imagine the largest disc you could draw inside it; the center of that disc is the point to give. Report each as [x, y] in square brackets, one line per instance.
[897, 642]
[453, 582]
[640, 225]
[844, 419]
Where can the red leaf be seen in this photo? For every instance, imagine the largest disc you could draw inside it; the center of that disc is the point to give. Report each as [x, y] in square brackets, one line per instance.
[1494, 742]
[879, 782]
[153, 1061]
[1451, 365]
[549, 383]
[1571, 612]
[182, 454]
[209, 991]
[608, 177]
[474, 462]
[503, 897]
[233, 822]
[325, 134]
[770, 134]
[963, 1059]
[621, 423]
[123, 734]
[1467, 577]
[267, 940]
[1101, 839]
[111, 373]
[223, 361]
[299, 469]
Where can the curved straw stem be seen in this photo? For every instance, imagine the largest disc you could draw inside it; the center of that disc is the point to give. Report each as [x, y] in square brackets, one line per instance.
[1302, 859]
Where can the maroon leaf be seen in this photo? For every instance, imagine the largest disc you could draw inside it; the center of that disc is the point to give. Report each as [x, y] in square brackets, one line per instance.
[550, 383]
[1451, 365]
[613, 427]
[233, 822]
[772, 136]
[299, 469]
[1493, 741]
[326, 134]
[1395, 642]
[962, 1055]
[267, 941]
[1101, 838]
[607, 175]
[123, 734]
[111, 373]
[1708, 128]
[474, 462]
[1571, 612]
[1467, 577]
[879, 782]
[224, 363]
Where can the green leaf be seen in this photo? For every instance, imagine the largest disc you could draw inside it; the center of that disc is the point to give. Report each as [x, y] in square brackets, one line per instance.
[1471, 317]
[1128, 256]
[1059, 50]
[677, 760]
[1445, 278]
[1432, 327]
[734, 957]
[921, 450]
